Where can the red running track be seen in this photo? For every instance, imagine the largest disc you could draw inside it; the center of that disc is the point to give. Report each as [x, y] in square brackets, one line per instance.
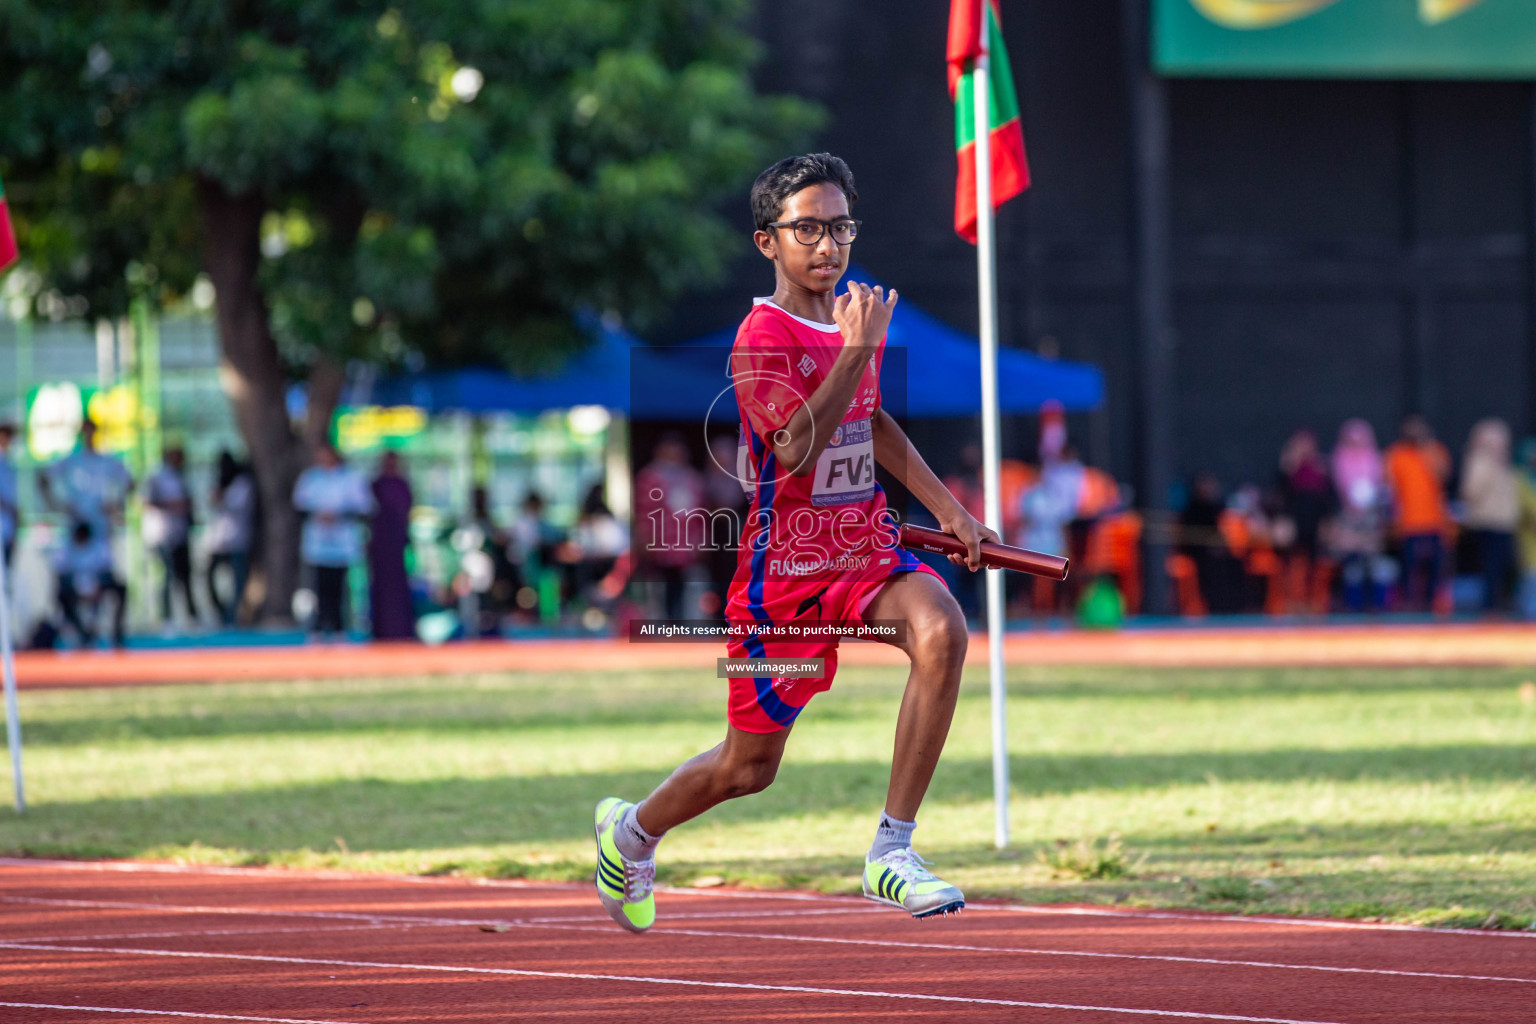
[94, 942]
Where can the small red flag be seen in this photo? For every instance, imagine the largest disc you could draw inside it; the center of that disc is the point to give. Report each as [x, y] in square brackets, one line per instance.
[8, 253]
[1010, 168]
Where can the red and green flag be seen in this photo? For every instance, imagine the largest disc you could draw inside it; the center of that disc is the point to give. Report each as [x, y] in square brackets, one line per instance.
[970, 38]
[7, 234]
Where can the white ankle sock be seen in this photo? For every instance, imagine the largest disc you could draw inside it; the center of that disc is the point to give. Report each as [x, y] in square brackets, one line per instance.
[633, 841]
[893, 834]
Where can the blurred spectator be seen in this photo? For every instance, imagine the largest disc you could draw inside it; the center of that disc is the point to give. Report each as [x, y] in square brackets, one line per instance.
[1053, 432]
[1417, 469]
[84, 567]
[966, 486]
[1248, 527]
[1527, 530]
[89, 488]
[1491, 497]
[534, 544]
[1217, 571]
[230, 533]
[1359, 533]
[667, 489]
[334, 499]
[494, 542]
[1069, 476]
[1097, 493]
[1045, 510]
[597, 541]
[168, 529]
[534, 538]
[1014, 477]
[1114, 548]
[390, 612]
[728, 503]
[1307, 500]
[10, 512]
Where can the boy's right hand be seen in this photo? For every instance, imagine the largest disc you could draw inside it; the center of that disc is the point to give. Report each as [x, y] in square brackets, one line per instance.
[864, 313]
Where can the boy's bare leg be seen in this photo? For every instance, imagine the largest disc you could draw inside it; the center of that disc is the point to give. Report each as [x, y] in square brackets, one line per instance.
[745, 763]
[936, 641]
[627, 834]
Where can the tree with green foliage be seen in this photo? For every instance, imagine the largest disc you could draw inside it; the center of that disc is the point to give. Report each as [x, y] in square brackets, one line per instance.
[429, 183]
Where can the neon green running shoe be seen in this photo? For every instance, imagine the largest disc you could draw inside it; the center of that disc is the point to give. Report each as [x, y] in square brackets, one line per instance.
[623, 885]
[899, 878]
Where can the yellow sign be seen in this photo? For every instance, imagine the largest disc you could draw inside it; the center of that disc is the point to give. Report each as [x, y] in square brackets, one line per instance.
[1488, 39]
[1435, 11]
[1258, 13]
[368, 426]
[119, 417]
[1250, 14]
[55, 413]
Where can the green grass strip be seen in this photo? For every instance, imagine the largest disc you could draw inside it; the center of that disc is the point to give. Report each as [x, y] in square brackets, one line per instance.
[1394, 795]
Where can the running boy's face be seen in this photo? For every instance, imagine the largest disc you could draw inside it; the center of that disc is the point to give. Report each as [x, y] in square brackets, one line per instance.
[816, 268]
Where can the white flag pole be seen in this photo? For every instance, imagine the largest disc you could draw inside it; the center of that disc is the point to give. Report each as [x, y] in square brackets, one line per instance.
[8, 669]
[986, 272]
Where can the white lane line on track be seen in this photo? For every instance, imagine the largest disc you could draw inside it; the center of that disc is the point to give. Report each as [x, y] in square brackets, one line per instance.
[182, 908]
[599, 924]
[1297, 922]
[214, 932]
[167, 1013]
[364, 916]
[647, 980]
[130, 867]
[292, 874]
[956, 947]
[385, 919]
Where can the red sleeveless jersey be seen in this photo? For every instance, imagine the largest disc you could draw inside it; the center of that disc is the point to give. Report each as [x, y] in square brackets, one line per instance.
[817, 526]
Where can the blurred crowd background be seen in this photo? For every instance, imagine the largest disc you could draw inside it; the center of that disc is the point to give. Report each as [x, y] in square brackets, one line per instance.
[1356, 527]
[283, 353]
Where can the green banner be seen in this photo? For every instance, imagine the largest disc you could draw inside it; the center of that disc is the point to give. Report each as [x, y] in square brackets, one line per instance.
[55, 411]
[1346, 38]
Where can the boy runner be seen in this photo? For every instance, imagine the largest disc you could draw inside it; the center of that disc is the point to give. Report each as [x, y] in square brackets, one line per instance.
[816, 547]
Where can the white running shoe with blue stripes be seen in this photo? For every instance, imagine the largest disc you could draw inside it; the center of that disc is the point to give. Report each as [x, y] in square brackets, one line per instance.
[626, 887]
[901, 879]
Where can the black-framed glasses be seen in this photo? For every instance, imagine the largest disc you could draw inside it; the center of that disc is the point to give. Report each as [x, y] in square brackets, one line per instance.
[809, 230]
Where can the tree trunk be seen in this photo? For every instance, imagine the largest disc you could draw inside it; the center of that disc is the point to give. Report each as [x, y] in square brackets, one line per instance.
[252, 376]
[324, 387]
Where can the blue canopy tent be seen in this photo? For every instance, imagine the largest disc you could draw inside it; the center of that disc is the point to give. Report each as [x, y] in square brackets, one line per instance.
[944, 370]
[598, 375]
[688, 381]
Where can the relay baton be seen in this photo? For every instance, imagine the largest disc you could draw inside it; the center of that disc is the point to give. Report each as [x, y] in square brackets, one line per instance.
[993, 555]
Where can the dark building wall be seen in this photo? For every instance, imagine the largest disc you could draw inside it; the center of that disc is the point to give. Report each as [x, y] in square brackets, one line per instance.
[1339, 248]
[1346, 248]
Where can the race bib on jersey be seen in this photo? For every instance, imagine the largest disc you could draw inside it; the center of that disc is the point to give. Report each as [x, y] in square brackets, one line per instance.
[845, 472]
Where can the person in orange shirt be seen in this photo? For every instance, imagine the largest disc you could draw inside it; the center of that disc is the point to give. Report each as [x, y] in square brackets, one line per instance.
[1417, 469]
[1114, 547]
